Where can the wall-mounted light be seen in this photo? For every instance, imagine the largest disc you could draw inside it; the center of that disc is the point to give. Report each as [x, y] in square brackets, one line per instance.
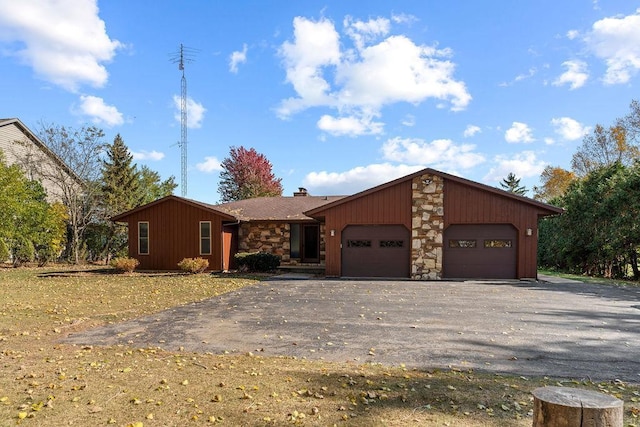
[332, 233]
[529, 232]
[427, 181]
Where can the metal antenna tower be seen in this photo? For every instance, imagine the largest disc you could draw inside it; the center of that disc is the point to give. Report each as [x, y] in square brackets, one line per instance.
[180, 58]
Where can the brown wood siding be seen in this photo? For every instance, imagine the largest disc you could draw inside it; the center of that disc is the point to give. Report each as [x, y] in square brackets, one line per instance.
[174, 234]
[468, 205]
[391, 205]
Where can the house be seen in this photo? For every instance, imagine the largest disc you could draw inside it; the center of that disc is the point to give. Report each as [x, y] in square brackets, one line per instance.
[425, 226]
[21, 146]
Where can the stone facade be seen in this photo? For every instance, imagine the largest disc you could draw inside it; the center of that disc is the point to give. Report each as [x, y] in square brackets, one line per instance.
[427, 227]
[272, 237]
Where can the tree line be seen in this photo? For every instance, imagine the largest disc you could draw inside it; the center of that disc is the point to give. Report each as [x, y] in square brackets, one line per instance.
[101, 181]
[599, 233]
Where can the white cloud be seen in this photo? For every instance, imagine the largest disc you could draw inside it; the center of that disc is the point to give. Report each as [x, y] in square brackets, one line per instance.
[65, 43]
[381, 69]
[238, 57]
[568, 128]
[397, 70]
[523, 165]
[409, 120]
[356, 179]
[99, 112]
[471, 130]
[316, 45]
[572, 34]
[404, 18]
[524, 76]
[576, 74]
[195, 112]
[616, 40]
[147, 155]
[442, 154]
[362, 32]
[210, 165]
[519, 132]
[349, 126]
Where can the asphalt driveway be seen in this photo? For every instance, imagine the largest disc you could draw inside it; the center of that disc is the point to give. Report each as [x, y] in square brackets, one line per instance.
[526, 328]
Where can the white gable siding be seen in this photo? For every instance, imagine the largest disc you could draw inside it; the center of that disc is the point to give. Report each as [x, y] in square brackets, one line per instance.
[36, 161]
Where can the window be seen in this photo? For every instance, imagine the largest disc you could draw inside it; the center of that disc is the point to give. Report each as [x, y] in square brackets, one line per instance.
[462, 244]
[143, 238]
[294, 240]
[497, 243]
[205, 237]
[358, 243]
[391, 243]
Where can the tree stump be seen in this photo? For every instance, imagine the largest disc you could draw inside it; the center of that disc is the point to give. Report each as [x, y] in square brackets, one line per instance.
[573, 407]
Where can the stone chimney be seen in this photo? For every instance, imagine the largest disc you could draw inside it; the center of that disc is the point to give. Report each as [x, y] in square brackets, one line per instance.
[302, 192]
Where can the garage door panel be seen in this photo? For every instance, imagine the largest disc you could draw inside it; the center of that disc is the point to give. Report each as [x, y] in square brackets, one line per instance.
[480, 251]
[375, 251]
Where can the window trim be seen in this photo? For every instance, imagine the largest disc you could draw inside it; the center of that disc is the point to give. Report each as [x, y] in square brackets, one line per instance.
[140, 223]
[203, 238]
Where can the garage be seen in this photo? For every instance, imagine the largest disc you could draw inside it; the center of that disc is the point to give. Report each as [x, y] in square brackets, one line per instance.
[375, 251]
[480, 251]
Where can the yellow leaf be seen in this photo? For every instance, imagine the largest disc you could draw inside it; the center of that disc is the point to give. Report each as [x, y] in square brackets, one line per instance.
[22, 415]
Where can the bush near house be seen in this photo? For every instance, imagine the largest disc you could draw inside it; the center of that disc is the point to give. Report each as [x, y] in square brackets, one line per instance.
[257, 261]
[194, 265]
[126, 265]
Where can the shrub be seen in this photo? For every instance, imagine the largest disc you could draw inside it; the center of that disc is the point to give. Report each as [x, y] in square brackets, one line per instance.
[44, 254]
[126, 265]
[257, 261]
[23, 251]
[193, 265]
[4, 251]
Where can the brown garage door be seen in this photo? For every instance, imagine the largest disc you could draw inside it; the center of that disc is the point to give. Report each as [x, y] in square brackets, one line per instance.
[375, 251]
[487, 251]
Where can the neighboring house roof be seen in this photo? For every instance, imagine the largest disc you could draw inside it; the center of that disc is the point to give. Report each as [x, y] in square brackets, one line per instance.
[279, 208]
[318, 212]
[40, 145]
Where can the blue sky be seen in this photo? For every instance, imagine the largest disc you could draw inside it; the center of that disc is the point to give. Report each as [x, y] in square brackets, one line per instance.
[339, 95]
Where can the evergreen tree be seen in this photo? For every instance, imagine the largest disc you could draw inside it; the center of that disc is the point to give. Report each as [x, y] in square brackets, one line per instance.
[120, 179]
[512, 184]
[120, 193]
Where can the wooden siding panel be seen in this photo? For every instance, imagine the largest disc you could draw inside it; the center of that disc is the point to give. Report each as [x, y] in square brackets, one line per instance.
[391, 205]
[174, 234]
[468, 205]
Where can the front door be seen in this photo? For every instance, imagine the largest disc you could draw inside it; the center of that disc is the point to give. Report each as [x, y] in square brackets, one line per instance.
[310, 245]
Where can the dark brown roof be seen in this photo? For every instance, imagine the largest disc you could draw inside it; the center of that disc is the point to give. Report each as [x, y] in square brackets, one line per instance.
[258, 209]
[550, 209]
[274, 208]
[204, 206]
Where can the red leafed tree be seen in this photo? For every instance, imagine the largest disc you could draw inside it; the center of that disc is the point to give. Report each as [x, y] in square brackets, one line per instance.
[247, 174]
